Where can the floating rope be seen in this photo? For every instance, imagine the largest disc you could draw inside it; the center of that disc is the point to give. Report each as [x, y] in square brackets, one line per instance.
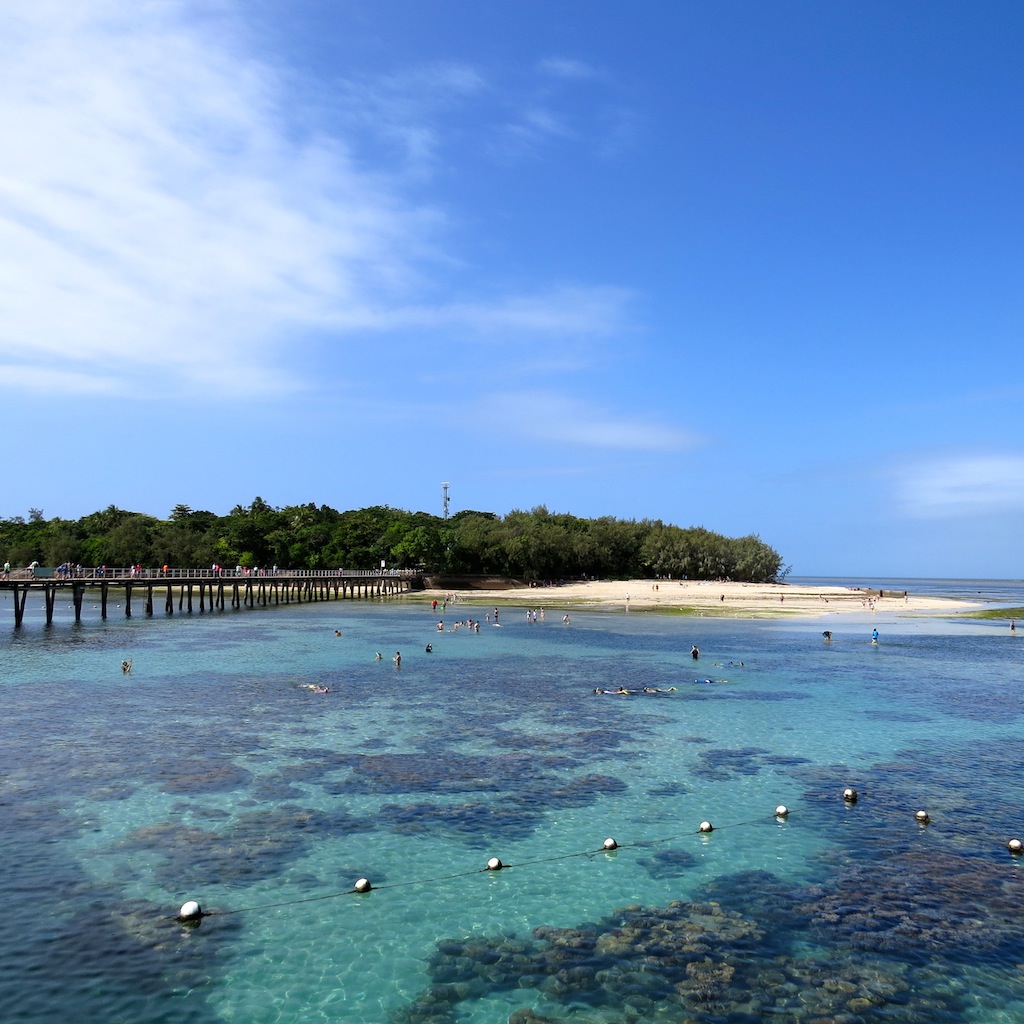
[191, 912]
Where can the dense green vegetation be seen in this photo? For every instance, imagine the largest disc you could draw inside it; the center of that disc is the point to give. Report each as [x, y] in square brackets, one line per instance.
[534, 545]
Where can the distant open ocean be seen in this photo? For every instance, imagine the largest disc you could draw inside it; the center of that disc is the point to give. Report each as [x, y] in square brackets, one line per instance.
[1009, 592]
[212, 773]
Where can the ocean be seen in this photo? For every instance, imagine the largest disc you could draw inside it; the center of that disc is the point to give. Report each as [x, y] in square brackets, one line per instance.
[213, 773]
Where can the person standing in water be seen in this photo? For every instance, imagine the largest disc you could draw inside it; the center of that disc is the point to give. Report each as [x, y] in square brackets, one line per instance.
[694, 653]
[397, 659]
[874, 636]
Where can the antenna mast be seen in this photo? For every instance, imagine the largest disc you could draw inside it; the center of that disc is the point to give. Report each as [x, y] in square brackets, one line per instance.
[444, 493]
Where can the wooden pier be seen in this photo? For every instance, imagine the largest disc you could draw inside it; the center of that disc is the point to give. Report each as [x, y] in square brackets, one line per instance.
[205, 590]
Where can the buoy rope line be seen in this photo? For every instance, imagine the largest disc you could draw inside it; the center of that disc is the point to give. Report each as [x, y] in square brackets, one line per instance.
[610, 846]
[356, 891]
[192, 913]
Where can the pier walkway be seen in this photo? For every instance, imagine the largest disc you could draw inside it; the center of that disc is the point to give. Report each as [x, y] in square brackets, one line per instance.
[206, 589]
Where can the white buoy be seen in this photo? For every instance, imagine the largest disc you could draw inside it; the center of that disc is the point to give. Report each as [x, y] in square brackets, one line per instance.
[190, 911]
[850, 796]
[1015, 846]
[706, 826]
[610, 844]
[363, 885]
[922, 817]
[781, 811]
[494, 864]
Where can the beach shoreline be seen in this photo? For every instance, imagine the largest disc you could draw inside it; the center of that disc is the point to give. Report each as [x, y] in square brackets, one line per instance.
[709, 598]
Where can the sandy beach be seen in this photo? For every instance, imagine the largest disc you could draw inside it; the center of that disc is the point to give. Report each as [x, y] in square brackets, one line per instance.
[709, 598]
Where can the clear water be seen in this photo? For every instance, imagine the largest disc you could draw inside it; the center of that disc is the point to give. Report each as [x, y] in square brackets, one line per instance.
[211, 773]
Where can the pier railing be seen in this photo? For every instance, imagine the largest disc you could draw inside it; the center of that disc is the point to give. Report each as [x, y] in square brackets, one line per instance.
[106, 572]
[215, 589]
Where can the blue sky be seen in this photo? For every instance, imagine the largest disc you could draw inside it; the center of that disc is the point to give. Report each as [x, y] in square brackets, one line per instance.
[755, 267]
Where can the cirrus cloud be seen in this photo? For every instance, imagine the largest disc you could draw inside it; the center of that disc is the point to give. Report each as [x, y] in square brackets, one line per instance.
[163, 222]
[960, 485]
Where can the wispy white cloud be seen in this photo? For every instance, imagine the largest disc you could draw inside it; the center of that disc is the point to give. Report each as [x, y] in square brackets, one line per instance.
[961, 485]
[404, 109]
[164, 224]
[535, 127]
[557, 312]
[566, 67]
[156, 218]
[55, 383]
[567, 420]
[567, 101]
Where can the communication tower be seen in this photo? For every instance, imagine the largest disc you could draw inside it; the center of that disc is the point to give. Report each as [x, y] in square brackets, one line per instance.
[444, 494]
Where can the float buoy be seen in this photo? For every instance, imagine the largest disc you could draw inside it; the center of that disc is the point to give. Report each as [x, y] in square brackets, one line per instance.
[781, 811]
[494, 864]
[922, 817]
[610, 844]
[190, 911]
[706, 826]
[1015, 846]
[363, 885]
[850, 796]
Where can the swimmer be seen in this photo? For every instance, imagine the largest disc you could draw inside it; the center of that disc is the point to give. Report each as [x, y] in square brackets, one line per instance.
[694, 653]
[565, 620]
[874, 636]
[827, 634]
[654, 689]
[397, 659]
[429, 648]
[440, 627]
[378, 656]
[126, 666]
[337, 632]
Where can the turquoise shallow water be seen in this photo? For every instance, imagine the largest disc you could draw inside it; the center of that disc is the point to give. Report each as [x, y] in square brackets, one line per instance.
[211, 773]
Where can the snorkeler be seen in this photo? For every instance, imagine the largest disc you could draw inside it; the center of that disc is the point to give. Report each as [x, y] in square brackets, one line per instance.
[623, 692]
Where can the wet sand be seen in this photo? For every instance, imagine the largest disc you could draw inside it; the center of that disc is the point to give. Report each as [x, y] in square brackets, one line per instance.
[708, 598]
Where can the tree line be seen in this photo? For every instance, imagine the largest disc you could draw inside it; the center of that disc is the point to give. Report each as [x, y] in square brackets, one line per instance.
[534, 545]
